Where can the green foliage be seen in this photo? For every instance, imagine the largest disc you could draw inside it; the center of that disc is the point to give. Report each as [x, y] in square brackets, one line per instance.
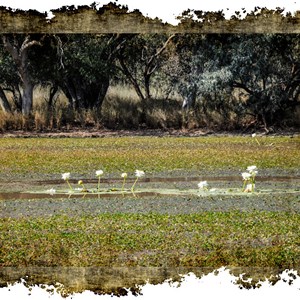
[209, 239]
[36, 157]
[251, 79]
[263, 69]
[266, 68]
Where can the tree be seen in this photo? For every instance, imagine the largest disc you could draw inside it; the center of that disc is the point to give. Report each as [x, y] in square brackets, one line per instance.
[139, 59]
[18, 47]
[86, 67]
[205, 75]
[267, 68]
[8, 80]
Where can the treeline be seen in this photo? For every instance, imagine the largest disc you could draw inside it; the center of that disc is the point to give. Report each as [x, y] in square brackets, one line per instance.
[224, 81]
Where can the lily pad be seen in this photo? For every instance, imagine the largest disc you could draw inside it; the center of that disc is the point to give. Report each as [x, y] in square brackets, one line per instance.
[164, 191]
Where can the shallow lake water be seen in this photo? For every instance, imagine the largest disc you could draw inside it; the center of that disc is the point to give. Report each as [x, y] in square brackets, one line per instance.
[89, 280]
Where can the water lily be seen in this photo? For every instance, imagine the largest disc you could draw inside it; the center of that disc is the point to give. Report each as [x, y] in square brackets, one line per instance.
[251, 168]
[249, 188]
[249, 179]
[66, 177]
[51, 191]
[80, 182]
[124, 176]
[246, 175]
[254, 136]
[203, 185]
[99, 173]
[138, 174]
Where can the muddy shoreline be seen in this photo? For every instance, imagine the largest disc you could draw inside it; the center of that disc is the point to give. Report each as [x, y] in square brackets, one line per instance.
[99, 133]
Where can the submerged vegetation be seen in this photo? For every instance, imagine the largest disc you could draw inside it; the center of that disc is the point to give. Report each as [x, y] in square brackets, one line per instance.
[211, 239]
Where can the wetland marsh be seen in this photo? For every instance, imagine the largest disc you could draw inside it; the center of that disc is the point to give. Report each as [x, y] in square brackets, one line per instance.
[143, 232]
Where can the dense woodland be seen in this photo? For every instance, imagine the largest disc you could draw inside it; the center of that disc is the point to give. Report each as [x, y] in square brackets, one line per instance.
[217, 81]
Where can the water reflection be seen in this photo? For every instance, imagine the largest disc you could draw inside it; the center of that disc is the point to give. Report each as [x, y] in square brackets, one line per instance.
[221, 283]
[130, 280]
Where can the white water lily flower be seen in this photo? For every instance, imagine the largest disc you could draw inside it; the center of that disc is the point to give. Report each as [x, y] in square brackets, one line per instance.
[249, 188]
[202, 184]
[246, 175]
[254, 173]
[139, 173]
[251, 168]
[99, 173]
[51, 191]
[66, 176]
[124, 175]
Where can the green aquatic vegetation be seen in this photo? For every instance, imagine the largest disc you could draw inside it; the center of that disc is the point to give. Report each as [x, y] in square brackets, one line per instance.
[84, 190]
[38, 156]
[209, 239]
[249, 178]
[118, 239]
[168, 191]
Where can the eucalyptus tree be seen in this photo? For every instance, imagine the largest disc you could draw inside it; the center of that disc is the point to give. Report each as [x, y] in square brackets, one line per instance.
[267, 69]
[85, 67]
[204, 75]
[9, 82]
[19, 47]
[140, 59]
[264, 69]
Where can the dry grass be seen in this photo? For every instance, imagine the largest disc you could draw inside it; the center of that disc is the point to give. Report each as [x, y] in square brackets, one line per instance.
[122, 109]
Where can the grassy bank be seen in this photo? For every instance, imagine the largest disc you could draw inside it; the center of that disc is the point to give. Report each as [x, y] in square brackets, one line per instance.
[37, 157]
[212, 239]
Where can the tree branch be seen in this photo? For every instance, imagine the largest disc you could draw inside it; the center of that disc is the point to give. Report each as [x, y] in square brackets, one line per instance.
[240, 85]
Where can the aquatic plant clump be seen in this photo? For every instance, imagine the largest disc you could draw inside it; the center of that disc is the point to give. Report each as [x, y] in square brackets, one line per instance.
[249, 179]
[97, 190]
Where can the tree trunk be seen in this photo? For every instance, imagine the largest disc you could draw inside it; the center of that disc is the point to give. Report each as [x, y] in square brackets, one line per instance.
[132, 80]
[52, 93]
[147, 85]
[70, 92]
[27, 99]
[20, 57]
[102, 93]
[4, 104]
